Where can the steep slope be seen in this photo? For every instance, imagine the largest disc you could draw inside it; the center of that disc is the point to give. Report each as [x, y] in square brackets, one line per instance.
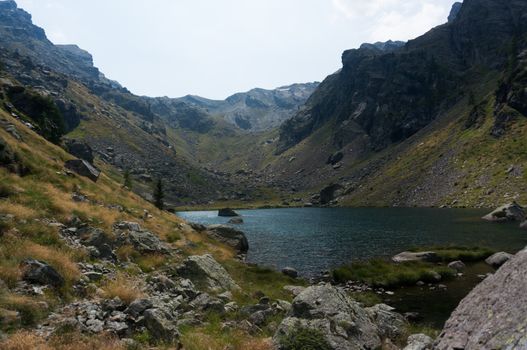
[439, 121]
[120, 127]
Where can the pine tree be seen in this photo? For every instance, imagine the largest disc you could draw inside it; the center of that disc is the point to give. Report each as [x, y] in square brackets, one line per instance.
[127, 179]
[159, 194]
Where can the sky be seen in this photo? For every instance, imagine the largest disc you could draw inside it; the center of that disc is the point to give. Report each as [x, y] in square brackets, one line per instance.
[214, 48]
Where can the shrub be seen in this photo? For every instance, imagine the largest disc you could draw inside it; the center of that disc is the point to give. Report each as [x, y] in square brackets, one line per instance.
[304, 339]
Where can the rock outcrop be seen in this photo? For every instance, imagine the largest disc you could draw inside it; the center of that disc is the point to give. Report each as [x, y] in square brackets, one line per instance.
[79, 149]
[508, 212]
[206, 272]
[492, 316]
[83, 168]
[342, 321]
[229, 236]
[36, 271]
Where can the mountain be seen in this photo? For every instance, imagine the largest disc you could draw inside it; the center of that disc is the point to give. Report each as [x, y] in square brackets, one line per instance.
[150, 137]
[438, 121]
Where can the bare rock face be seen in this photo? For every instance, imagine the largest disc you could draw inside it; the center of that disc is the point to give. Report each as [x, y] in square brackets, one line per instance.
[507, 212]
[493, 315]
[83, 168]
[344, 323]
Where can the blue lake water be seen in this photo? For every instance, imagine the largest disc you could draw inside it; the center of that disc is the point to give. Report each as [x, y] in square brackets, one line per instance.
[315, 239]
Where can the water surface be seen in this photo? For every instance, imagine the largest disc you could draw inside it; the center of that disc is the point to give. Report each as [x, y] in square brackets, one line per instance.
[315, 239]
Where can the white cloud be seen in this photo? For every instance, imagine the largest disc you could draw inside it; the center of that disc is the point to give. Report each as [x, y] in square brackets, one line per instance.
[393, 19]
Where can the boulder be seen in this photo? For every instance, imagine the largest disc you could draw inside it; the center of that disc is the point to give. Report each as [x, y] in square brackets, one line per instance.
[229, 236]
[342, 321]
[335, 158]
[36, 271]
[94, 237]
[419, 342]
[79, 149]
[289, 271]
[160, 327]
[206, 272]
[138, 307]
[415, 256]
[236, 221]
[498, 259]
[228, 212]
[83, 168]
[457, 265]
[391, 325]
[523, 225]
[492, 315]
[507, 212]
[131, 233]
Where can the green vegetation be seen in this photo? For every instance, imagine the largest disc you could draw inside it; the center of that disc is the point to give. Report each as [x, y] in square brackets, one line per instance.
[305, 339]
[452, 253]
[127, 179]
[159, 194]
[41, 110]
[382, 273]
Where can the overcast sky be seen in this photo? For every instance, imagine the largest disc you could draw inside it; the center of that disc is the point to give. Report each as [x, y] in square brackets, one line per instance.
[215, 48]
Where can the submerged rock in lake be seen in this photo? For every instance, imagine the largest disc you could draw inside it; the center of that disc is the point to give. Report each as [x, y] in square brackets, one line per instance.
[228, 212]
[492, 316]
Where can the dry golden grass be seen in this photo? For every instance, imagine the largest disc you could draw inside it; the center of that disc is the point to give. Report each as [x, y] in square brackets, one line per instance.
[125, 287]
[29, 341]
[20, 212]
[10, 274]
[126, 253]
[58, 258]
[151, 262]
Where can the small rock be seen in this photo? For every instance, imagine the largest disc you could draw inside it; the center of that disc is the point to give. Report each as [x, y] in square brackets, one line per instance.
[419, 342]
[39, 272]
[160, 327]
[415, 256]
[457, 265]
[498, 259]
[137, 307]
[289, 271]
[236, 221]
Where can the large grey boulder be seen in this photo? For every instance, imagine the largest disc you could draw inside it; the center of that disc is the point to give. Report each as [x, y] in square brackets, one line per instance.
[83, 168]
[419, 342]
[229, 236]
[523, 225]
[493, 315]
[205, 272]
[391, 325]
[79, 149]
[344, 323]
[160, 327]
[36, 271]
[508, 212]
[131, 233]
[498, 259]
[415, 256]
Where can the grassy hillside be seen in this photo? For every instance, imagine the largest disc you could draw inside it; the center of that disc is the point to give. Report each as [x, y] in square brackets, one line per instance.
[33, 208]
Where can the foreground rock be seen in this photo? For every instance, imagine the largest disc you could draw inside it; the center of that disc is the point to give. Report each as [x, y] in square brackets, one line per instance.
[342, 321]
[415, 256]
[419, 342]
[36, 271]
[83, 168]
[524, 225]
[206, 272]
[498, 259]
[79, 149]
[227, 212]
[507, 212]
[229, 236]
[131, 233]
[492, 316]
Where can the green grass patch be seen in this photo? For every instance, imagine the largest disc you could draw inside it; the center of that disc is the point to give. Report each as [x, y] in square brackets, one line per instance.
[382, 273]
[453, 253]
[366, 298]
[255, 280]
[304, 339]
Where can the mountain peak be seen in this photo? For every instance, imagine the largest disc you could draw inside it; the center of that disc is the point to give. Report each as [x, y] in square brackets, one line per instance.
[454, 11]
